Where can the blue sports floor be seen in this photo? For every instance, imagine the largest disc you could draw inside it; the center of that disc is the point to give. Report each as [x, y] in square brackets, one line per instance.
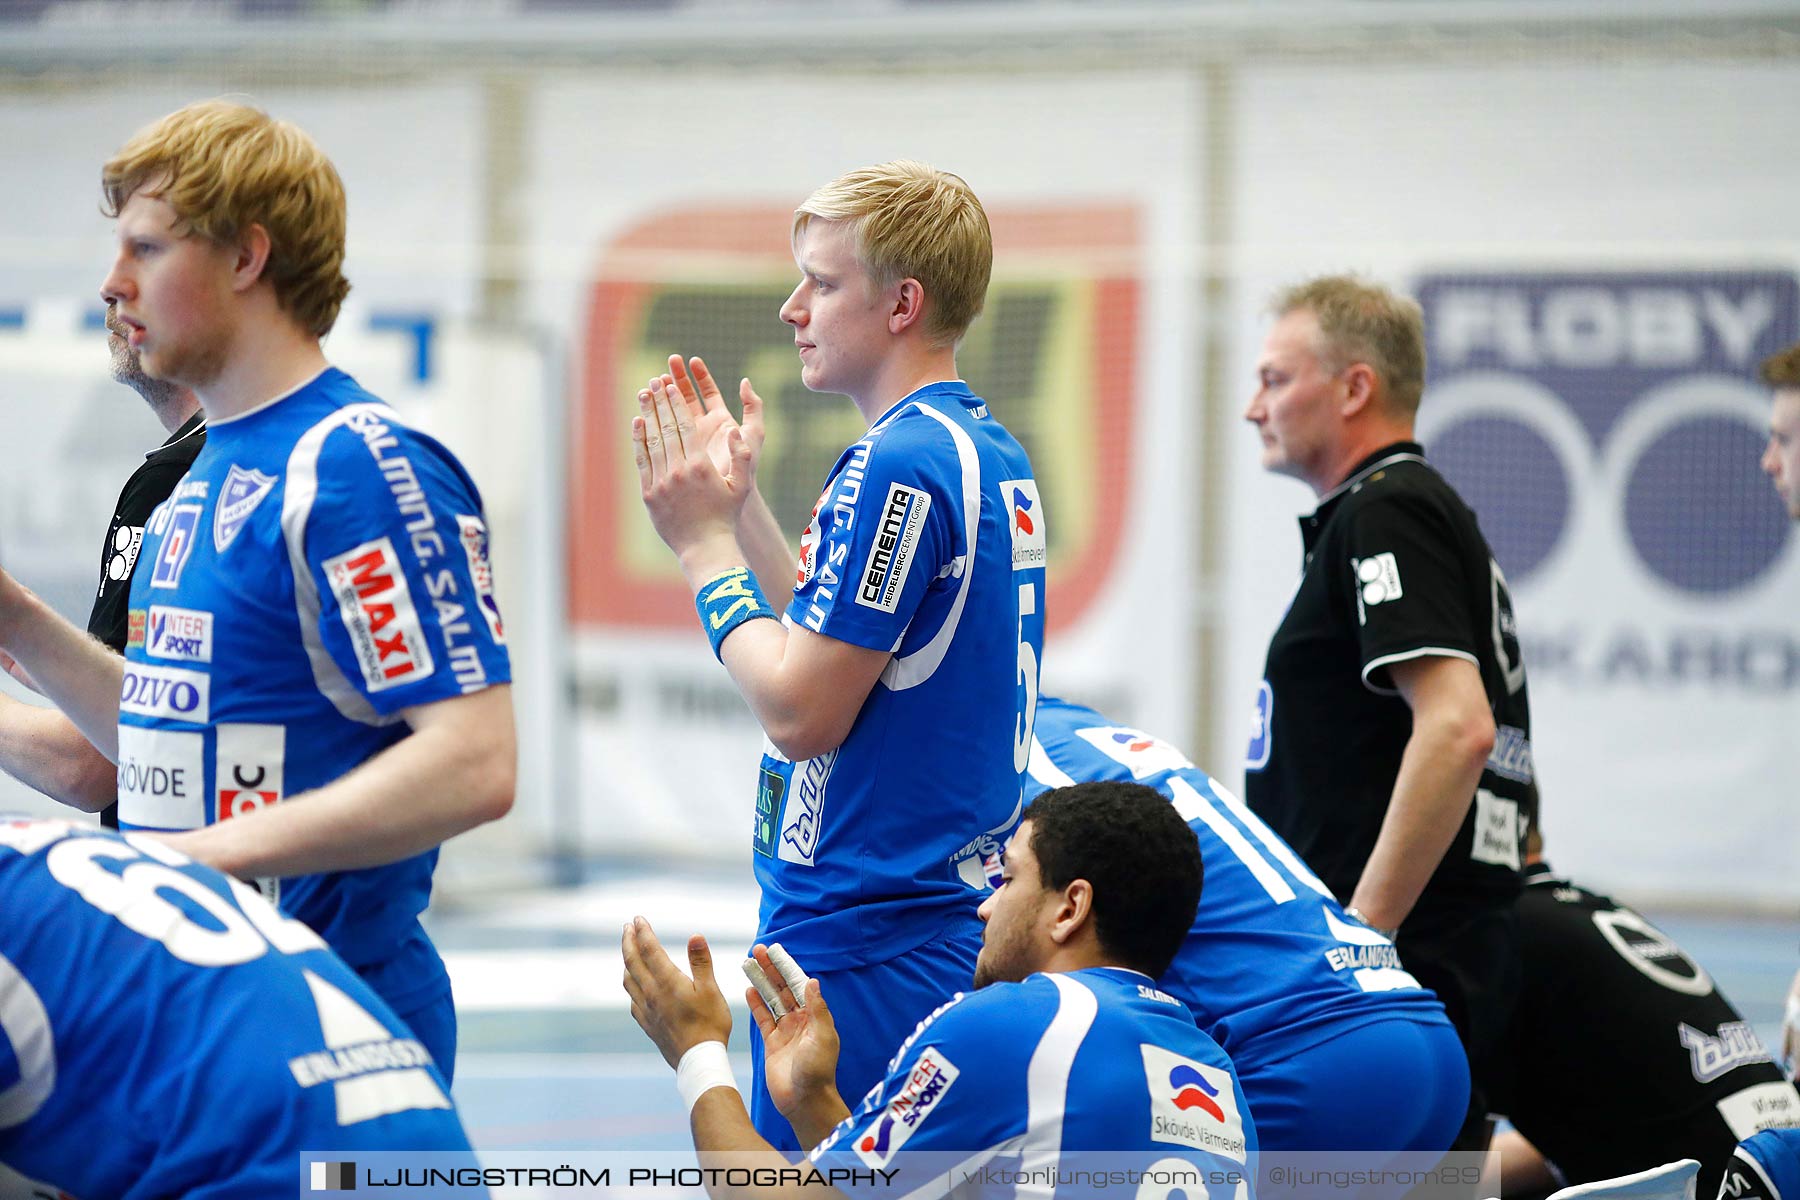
[551, 1060]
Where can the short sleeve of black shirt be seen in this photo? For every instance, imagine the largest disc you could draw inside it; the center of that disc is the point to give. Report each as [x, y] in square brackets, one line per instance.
[1404, 577]
[149, 486]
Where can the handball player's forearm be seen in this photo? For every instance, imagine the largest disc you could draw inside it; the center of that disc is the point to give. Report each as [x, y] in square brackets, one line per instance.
[814, 1119]
[1452, 735]
[42, 748]
[1436, 784]
[765, 547]
[78, 674]
[726, 1140]
[456, 770]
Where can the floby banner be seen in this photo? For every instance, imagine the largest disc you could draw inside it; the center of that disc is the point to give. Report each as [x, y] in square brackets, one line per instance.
[1606, 427]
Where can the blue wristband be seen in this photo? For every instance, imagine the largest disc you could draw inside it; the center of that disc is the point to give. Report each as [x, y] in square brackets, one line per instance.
[726, 601]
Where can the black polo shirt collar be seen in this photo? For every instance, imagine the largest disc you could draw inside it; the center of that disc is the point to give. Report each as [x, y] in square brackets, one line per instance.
[1384, 457]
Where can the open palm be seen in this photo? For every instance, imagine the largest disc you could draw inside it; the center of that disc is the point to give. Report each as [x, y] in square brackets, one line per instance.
[713, 420]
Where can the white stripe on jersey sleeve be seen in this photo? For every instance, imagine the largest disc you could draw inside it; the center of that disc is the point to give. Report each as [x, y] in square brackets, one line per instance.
[1040, 768]
[1191, 804]
[917, 667]
[1047, 1083]
[296, 510]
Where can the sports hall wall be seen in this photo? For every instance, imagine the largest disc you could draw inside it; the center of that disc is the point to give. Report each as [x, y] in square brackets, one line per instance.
[1592, 211]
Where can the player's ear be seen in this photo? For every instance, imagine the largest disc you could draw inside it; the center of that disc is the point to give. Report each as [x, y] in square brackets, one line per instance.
[250, 256]
[909, 305]
[1074, 913]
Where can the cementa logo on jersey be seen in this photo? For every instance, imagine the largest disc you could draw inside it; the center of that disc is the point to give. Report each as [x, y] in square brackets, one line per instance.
[921, 1095]
[902, 520]
[1193, 1104]
[377, 610]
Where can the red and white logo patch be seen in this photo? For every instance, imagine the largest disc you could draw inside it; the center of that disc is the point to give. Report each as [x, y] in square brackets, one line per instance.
[377, 609]
[248, 765]
[809, 546]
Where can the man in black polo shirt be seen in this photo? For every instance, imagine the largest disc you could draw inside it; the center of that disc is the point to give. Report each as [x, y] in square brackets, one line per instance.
[1393, 742]
[41, 747]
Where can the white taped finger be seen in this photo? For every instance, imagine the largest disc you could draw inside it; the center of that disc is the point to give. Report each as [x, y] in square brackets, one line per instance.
[759, 979]
[791, 974]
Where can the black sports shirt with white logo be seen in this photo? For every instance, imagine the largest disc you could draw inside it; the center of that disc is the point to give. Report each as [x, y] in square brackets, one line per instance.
[1622, 1054]
[1396, 569]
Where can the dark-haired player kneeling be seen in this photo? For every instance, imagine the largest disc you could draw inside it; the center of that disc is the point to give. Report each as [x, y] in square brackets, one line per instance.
[1066, 1046]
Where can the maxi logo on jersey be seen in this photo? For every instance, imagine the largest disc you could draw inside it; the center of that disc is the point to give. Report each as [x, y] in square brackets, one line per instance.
[1192, 1104]
[891, 557]
[1029, 543]
[929, 1081]
[429, 549]
[377, 609]
[243, 491]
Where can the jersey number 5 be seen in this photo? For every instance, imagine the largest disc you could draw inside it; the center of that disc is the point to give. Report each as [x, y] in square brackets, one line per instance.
[1028, 678]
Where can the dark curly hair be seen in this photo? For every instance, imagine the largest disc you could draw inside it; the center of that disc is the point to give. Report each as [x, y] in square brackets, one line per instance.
[1143, 861]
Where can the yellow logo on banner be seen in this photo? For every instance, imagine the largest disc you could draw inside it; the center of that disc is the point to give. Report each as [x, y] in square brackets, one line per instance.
[1054, 354]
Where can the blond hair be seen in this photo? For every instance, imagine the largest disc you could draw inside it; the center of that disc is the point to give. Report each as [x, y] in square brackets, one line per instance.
[1782, 368]
[914, 221]
[1363, 322]
[224, 167]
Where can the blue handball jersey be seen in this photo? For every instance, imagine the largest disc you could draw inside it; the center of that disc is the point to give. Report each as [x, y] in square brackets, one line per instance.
[1088, 1070]
[165, 1032]
[928, 541]
[1766, 1166]
[1272, 964]
[320, 568]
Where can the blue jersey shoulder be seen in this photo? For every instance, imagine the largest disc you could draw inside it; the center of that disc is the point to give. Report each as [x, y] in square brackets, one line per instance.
[150, 992]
